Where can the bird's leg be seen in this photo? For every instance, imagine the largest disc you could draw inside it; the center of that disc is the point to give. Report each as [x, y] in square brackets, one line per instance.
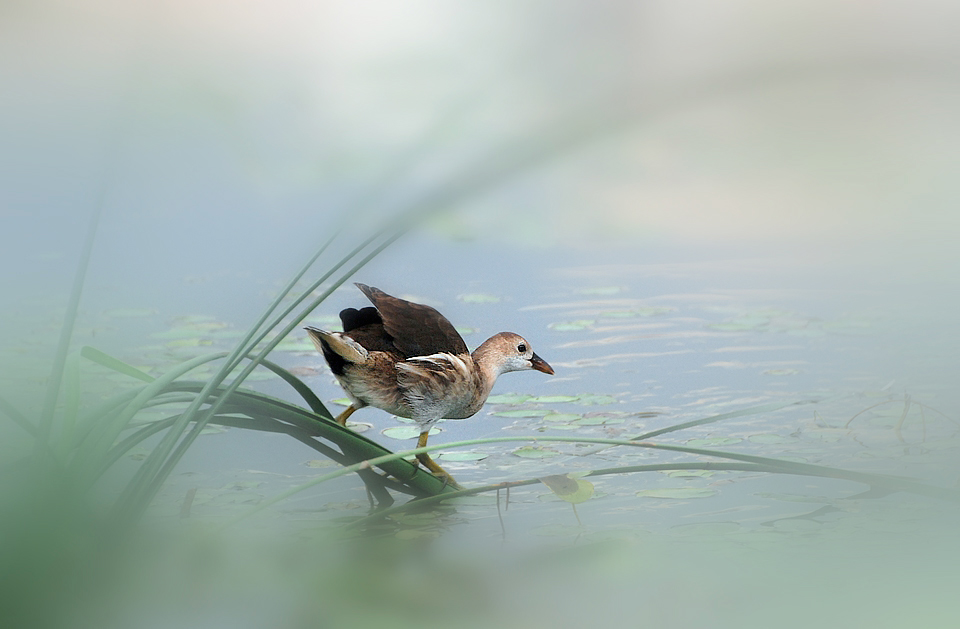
[342, 417]
[431, 465]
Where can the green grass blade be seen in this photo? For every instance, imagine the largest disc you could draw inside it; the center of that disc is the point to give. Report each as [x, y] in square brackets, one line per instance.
[71, 406]
[66, 332]
[108, 361]
[105, 436]
[300, 387]
[18, 418]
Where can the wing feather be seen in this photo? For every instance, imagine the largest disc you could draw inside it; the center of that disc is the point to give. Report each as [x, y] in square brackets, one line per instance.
[416, 329]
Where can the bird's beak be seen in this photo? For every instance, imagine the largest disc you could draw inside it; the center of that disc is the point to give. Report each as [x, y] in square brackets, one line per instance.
[540, 365]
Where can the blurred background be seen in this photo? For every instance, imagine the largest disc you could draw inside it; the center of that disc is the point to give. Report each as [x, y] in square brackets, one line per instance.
[788, 168]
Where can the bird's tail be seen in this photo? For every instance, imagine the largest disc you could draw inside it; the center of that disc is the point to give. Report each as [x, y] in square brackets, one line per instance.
[341, 346]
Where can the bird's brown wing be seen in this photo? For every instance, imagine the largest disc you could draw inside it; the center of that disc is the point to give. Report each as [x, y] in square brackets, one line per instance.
[417, 330]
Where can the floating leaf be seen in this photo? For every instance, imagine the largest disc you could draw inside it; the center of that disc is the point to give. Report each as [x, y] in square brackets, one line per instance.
[573, 490]
[193, 319]
[689, 473]
[678, 493]
[600, 290]
[571, 326]
[590, 399]
[634, 312]
[409, 431]
[561, 417]
[781, 372]
[360, 426]
[713, 441]
[478, 298]
[794, 497]
[194, 342]
[534, 452]
[320, 463]
[508, 398]
[341, 401]
[210, 429]
[524, 412]
[304, 372]
[463, 331]
[554, 399]
[464, 455]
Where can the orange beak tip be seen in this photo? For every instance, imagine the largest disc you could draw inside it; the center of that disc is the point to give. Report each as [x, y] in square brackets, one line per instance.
[541, 365]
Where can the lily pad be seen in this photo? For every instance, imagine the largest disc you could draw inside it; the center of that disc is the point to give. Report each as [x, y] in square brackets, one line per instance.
[359, 427]
[713, 441]
[600, 290]
[678, 493]
[194, 342]
[561, 417]
[320, 463]
[534, 452]
[409, 431]
[464, 455]
[195, 318]
[554, 399]
[571, 326]
[689, 473]
[590, 399]
[634, 312]
[524, 412]
[573, 490]
[478, 298]
[341, 401]
[508, 398]
[781, 372]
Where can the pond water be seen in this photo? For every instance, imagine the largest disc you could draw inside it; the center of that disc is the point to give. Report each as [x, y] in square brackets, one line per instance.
[681, 231]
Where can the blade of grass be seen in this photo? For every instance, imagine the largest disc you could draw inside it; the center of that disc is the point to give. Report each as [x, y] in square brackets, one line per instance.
[892, 482]
[71, 406]
[107, 435]
[300, 387]
[18, 418]
[66, 331]
[108, 361]
[627, 469]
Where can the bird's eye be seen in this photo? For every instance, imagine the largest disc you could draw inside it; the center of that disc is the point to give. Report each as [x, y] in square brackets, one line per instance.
[521, 348]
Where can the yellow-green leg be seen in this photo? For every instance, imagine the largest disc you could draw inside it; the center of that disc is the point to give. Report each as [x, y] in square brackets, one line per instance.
[431, 465]
[342, 417]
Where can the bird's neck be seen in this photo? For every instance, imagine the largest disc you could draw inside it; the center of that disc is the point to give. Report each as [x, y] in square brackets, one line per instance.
[489, 365]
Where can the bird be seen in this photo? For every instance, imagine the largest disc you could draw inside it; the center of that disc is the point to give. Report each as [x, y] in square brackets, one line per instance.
[407, 359]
